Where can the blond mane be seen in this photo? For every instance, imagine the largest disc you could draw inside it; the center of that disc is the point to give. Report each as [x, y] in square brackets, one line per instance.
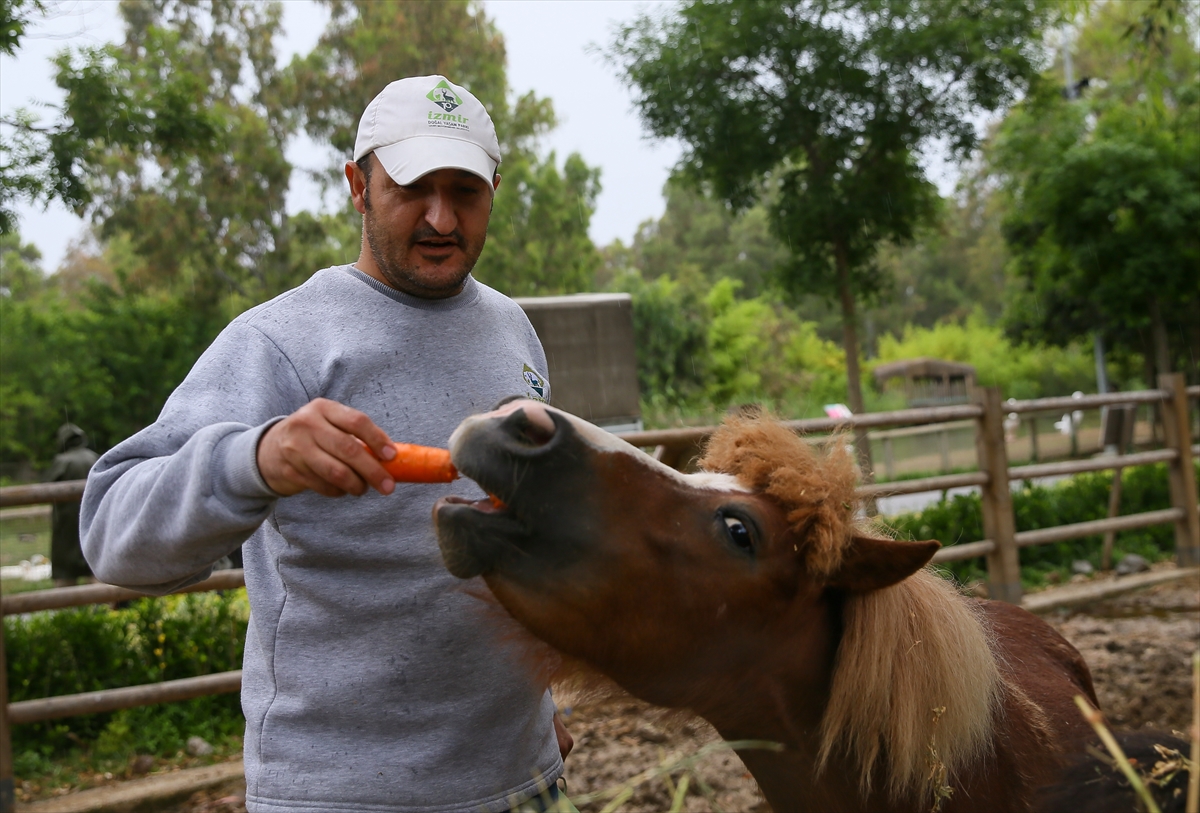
[916, 687]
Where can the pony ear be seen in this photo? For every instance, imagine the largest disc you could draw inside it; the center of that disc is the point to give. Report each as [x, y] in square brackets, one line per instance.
[871, 564]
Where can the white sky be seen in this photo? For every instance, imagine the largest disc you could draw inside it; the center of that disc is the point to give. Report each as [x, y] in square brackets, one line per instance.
[547, 43]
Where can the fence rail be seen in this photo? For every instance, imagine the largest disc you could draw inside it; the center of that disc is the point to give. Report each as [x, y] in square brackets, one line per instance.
[1001, 546]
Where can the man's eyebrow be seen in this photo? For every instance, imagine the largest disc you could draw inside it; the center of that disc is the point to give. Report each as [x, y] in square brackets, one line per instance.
[466, 175]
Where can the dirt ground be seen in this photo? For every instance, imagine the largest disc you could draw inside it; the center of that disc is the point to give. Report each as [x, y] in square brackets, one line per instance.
[1139, 648]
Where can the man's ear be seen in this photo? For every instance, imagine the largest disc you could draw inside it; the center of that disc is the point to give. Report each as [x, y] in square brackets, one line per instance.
[358, 186]
[496, 183]
[871, 564]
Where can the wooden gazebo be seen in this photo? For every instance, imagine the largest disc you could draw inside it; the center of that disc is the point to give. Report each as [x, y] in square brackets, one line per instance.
[926, 381]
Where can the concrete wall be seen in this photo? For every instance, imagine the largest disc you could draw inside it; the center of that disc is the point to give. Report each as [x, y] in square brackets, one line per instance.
[590, 351]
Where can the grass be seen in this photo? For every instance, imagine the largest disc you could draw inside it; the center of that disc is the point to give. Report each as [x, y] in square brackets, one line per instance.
[85, 768]
[23, 533]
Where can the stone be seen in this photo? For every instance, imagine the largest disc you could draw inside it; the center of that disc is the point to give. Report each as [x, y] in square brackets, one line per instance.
[1083, 567]
[197, 747]
[141, 764]
[648, 733]
[1132, 563]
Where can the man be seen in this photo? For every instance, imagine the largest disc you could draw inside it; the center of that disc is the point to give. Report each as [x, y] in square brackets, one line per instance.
[73, 462]
[369, 681]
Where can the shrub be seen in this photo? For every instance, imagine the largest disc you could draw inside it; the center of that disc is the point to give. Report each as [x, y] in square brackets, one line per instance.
[93, 648]
[1021, 371]
[1078, 499]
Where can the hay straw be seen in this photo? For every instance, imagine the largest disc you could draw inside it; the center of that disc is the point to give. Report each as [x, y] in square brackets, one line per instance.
[621, 793]
[1193, 795]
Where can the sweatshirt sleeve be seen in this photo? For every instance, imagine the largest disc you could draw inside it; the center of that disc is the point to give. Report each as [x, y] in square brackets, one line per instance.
[162, 506]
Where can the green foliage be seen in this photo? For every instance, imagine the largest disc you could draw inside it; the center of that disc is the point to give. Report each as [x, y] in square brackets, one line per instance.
[699, 234]
[670, 330]
[93, 648]
[106, 362]
[538, 243]
[952, 269]
[1104, 195]
[758, 351]
[20, 272]
[1078, 499]
[172, 143]
[701, 347]
[20, 141]
[824, 105]
[1021, 371]
[14, 19]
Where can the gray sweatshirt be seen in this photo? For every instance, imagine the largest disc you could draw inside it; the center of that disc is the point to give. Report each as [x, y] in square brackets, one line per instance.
[372, 681]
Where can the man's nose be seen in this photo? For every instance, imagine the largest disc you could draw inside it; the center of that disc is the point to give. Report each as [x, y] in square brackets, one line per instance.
[440, 212]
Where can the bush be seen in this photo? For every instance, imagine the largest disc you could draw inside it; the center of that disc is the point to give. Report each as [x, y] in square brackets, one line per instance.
[701, 349]
[93, 648]
[1079, 499]
[1021, 371]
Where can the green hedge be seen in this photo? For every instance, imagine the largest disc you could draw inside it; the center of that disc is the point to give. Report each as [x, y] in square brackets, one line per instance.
[1078, 499]
[98, 647]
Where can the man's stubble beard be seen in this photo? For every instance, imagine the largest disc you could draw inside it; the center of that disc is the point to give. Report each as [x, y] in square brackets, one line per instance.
[405, 277]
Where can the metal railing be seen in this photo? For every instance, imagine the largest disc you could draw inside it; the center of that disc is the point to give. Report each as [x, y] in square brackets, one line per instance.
[675, 447]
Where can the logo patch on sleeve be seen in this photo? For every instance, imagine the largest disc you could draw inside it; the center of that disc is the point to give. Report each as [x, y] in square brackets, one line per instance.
[537, 383]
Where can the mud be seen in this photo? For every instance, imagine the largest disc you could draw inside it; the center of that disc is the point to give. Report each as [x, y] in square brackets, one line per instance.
[1139, 648]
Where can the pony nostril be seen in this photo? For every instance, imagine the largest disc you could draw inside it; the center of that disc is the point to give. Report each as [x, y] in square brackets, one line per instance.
[536, 434]
[538, 426]
[529, 423]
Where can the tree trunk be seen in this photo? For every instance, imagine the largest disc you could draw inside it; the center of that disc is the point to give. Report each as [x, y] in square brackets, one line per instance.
[1162, 354]
[1158, 329]
[862, 443]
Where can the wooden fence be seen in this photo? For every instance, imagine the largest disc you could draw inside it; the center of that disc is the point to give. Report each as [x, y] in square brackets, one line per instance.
[676, 447]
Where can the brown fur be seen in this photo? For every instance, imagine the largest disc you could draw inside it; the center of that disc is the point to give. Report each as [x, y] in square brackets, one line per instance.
[915, 678]
[890, 690]
[816, 487]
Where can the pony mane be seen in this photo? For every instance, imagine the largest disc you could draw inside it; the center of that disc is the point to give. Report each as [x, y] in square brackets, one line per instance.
[815, 486]
[916, 687]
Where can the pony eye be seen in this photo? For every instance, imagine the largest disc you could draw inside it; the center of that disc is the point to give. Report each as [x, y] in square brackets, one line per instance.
[739, 534]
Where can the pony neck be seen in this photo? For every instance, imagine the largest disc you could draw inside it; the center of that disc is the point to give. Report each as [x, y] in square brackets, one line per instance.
[861, 690]
[782, 699]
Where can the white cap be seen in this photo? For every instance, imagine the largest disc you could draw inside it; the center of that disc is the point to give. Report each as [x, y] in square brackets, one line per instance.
[424, 123]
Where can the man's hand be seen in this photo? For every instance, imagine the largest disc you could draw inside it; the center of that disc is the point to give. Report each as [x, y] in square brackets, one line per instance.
[565, 741]
[317, 447]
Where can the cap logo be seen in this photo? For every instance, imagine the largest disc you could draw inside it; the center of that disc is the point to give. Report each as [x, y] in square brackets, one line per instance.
[444, 97]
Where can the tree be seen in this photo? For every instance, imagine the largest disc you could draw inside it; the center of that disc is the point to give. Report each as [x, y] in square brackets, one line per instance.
[538, 241]
[828, 103]
[1103, 198]
[118, 101]
[197, 178]
[699, 233]
[953, 268]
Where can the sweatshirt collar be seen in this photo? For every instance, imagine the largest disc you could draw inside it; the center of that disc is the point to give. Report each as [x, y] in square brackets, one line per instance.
[462, 299]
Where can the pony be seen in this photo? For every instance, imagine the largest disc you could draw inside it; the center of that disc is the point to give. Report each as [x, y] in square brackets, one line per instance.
[750, 593]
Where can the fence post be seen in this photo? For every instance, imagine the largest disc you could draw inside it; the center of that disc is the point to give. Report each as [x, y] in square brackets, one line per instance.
[8, 798]
[1003, 563]
[1177, 432]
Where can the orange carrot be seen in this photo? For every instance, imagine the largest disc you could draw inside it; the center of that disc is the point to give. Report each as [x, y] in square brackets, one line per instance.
[420, 464]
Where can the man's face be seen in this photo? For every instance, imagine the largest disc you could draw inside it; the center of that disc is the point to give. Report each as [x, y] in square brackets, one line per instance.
[425, 237]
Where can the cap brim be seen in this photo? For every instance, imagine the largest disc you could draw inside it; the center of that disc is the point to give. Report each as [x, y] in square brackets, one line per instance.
[407, 160]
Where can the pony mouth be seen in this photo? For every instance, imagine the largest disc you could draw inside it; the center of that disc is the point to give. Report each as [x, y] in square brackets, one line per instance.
[491, 504]
[477, 537]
